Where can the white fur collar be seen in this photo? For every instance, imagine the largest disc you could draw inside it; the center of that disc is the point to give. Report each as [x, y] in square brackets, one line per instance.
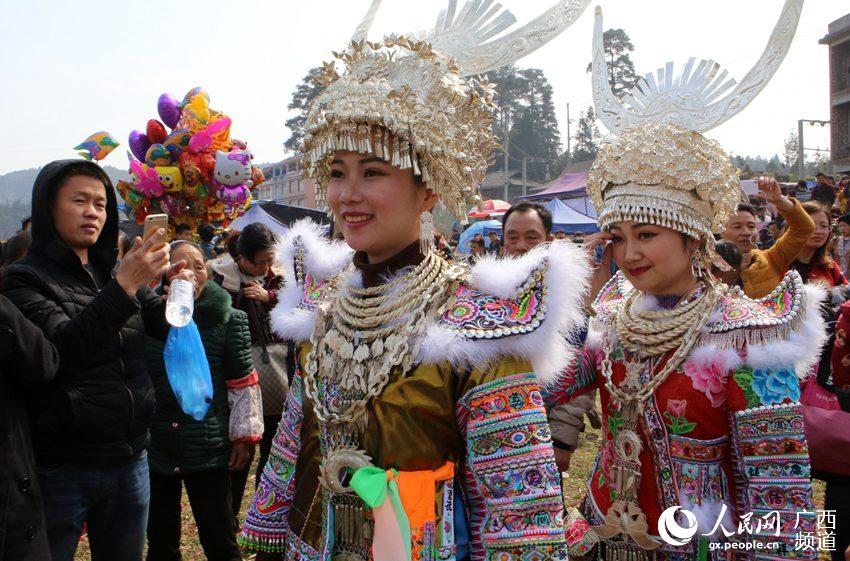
[546, 346]
[322, 260]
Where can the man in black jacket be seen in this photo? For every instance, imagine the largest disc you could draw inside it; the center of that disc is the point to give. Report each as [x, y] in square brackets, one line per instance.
[90, 425]
[29, 362]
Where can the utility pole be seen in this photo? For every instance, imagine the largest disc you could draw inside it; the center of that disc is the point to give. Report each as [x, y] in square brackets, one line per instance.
[801, 155]
[524, 176]
[569, 154]
[525, 160]
[506, 149]
[801, 163]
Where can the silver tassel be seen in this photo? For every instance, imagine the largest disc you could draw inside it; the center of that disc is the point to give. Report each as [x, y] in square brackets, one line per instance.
[426, 233]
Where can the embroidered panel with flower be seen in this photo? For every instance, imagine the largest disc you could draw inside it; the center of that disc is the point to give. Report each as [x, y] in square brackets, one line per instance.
[509, 454]
[314, 291]
[478, 315]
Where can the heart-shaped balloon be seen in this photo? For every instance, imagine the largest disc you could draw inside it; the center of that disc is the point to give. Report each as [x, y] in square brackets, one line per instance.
[156, 131]
[139, 144]
[169, 109]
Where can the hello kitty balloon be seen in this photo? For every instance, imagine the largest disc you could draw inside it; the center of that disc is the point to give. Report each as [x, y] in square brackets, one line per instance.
[233, 168]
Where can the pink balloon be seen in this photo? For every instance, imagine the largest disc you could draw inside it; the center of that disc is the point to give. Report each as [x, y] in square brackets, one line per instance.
[232, 195]
[139, 144]
[169, 109]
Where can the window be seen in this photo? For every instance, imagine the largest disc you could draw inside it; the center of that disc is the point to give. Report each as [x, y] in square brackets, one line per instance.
[291, 167]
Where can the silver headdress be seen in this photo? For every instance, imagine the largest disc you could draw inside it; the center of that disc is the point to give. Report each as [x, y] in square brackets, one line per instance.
[410, 99]
[692, 99]
[660, 169]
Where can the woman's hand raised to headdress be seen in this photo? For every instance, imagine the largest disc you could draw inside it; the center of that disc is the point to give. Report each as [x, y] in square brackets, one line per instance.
[602, 268]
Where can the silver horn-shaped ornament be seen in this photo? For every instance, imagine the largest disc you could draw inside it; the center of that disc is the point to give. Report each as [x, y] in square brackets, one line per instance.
[691, 99]
[466, 36]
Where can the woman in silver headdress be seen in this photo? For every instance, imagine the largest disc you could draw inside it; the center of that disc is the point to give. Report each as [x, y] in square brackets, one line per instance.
[415, 427]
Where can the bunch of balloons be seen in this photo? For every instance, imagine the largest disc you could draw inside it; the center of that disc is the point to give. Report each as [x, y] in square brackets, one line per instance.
[192, 170]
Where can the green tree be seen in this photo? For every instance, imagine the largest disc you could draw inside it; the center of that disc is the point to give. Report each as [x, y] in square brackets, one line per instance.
[621, 69]
[302, 97]
[774, 166]
[790, 151]
[526, 108]
[586, 137]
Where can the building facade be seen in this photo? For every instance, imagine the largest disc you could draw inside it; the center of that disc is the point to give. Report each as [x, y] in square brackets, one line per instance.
[286, 182]
[838, 40]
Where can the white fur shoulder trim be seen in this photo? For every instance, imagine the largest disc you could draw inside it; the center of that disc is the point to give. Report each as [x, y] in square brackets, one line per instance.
[801, 346]
[294, 316]
[782, 330]
[526, 307]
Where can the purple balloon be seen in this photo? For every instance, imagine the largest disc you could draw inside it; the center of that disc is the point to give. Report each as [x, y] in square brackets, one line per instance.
[169, 110]
[139, 144]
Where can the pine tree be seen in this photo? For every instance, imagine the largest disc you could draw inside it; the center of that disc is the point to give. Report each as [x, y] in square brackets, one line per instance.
[303, 95]
[524, 98]
[621, 69]
[586, 137]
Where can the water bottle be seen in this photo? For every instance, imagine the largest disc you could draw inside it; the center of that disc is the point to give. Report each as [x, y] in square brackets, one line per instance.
[181, 303]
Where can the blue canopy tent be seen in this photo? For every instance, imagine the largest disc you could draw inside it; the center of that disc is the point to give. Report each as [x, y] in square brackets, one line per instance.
[484, 227]
[570, 188]
[569, 220]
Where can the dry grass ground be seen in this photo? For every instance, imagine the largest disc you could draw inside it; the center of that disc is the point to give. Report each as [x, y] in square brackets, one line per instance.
[580, 464]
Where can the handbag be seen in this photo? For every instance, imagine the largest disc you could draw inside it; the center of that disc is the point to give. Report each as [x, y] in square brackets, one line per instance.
[270, 362]
[826, 420]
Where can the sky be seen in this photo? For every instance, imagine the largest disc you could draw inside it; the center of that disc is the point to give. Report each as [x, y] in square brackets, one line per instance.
[69, 69]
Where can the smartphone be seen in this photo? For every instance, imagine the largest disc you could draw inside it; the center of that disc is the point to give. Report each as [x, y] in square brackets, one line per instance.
[154, 222]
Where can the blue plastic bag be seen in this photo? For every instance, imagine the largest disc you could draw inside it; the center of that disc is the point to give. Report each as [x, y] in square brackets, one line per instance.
[188, 370]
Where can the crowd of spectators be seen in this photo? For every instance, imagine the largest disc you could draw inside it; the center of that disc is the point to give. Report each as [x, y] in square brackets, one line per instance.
[87, 405]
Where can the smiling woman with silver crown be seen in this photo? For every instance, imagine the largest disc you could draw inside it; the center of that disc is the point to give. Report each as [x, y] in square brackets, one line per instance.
[415, 427]
[699, 384]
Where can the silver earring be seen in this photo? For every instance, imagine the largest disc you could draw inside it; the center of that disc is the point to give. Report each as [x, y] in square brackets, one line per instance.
[426, 233]
[697, 269]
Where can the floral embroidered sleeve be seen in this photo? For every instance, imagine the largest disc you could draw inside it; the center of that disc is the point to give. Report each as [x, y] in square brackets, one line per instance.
[771, 461]
[579, 378]
[265, 523]
[512, 483]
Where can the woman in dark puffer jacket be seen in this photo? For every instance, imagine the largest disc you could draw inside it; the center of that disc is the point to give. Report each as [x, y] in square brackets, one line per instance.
[199, 454]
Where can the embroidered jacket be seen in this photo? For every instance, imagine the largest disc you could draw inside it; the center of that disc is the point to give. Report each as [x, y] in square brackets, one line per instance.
[473, 399]
[723, 435]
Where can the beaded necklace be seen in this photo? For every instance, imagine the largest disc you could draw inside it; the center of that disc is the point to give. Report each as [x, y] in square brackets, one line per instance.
[361, 335]
[647, 335]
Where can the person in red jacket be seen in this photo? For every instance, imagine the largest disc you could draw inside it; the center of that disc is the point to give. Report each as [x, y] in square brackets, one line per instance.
[813, 262]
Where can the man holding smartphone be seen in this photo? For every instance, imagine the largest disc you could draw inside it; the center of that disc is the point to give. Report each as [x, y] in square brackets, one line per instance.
[90, 424]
